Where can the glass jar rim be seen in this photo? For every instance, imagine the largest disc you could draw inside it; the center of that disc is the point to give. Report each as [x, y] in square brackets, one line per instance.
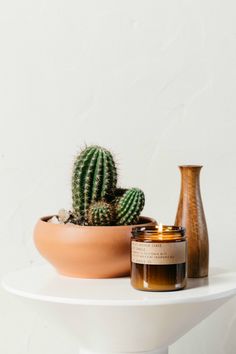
[154, 230]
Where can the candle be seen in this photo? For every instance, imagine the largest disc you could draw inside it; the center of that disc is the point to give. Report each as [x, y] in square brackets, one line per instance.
[158, 258]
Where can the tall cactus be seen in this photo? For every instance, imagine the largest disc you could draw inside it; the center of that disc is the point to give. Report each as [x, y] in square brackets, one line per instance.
[101, 214]
[94, 178]
[130, 206]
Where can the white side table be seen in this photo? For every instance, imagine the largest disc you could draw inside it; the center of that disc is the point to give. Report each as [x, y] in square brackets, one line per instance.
[108, 316]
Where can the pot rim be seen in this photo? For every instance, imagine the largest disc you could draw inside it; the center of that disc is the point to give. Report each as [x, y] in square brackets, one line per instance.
[147, 219]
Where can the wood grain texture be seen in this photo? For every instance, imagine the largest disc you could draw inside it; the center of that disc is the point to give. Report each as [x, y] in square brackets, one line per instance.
[191, 215]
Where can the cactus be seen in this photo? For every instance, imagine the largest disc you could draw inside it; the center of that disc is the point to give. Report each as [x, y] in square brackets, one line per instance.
[94, 178]
[96, 200]
[129, 207]
[101, 214]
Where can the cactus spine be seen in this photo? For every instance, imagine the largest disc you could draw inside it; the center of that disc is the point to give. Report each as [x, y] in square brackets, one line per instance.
[129, 207]
[101, 214]
[94, 178]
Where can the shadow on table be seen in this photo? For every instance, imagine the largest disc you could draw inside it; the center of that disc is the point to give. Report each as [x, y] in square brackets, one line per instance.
[201, 282]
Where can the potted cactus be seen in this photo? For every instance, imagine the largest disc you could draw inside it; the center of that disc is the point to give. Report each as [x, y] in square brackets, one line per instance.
[93, 240]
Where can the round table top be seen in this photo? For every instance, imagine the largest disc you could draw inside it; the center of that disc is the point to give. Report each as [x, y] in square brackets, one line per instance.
[43, 283]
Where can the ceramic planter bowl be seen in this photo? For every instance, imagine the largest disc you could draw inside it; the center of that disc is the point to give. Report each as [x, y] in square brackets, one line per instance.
[86, 251]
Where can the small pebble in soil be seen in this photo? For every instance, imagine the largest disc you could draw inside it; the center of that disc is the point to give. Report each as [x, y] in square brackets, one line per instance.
[54, 220]
[63, 215]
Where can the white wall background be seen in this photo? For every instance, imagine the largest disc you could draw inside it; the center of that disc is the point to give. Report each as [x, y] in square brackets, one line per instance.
[153, 80]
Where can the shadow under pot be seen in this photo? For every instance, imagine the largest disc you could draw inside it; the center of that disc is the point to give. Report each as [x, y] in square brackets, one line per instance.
[158, 258]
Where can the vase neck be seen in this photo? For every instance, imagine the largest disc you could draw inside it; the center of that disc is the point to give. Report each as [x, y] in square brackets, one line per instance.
[190, 177]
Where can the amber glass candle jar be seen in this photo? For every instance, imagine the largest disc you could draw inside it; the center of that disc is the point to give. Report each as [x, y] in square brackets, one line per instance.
[158, 258]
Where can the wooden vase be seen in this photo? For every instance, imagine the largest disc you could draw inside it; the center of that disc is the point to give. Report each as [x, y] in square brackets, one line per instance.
[191, 215]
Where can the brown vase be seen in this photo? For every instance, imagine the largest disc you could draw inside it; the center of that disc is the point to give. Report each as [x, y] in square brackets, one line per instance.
[191, 215]
[86, 251]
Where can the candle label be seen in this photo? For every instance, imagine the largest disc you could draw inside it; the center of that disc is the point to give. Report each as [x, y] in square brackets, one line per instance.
[158, 253]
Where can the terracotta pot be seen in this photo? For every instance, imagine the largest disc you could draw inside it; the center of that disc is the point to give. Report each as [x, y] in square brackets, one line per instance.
[86, 251]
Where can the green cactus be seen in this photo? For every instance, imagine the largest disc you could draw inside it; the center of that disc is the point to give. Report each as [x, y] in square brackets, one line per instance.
[129, 207]
[94, 178]
[101, 214]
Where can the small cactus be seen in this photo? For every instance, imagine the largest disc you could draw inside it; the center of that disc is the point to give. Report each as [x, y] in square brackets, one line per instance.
[129, 207]
[94, 178]
[101, 214]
